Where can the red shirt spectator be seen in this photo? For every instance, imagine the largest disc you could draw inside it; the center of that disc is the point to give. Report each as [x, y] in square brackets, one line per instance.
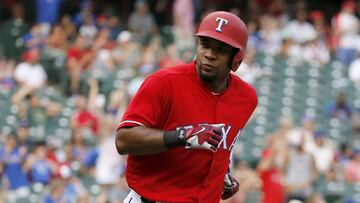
[273, 188]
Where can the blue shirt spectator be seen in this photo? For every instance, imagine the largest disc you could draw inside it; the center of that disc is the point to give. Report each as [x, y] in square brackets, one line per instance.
[41, 172]
[339, 108]
[48, 11]
[13, 170]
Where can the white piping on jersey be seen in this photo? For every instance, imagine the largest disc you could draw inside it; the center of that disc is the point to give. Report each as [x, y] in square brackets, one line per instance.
[132, 122]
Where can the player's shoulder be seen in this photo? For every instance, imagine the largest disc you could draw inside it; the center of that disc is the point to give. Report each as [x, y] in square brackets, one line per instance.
[245, 87]
[173, 72]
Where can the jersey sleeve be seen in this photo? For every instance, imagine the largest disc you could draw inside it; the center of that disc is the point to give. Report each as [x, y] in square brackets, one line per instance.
[148, 106]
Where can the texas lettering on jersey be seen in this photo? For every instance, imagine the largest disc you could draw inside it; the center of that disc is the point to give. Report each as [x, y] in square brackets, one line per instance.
[227, 142]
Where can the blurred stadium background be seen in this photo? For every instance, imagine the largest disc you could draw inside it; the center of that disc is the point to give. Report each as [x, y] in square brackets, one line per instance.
[69, 68]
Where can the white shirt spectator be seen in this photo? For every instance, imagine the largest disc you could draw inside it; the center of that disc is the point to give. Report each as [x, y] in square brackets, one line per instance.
[324, 156]
[354, 71]
[32, 75]
[301, 32]
[348, 25]
[296, 135]
[249, 72]
[108, 164]
[316, 51]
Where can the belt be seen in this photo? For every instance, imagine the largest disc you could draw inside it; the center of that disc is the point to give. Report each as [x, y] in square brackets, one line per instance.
[144, 200]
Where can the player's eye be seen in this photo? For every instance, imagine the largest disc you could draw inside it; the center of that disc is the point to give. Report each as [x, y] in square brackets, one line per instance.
[205, 44]
[222, 50]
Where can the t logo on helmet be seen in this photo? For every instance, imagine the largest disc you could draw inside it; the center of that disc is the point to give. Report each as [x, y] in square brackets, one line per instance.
[221, 22]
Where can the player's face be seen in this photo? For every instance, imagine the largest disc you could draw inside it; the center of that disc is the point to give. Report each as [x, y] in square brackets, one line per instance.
[213, 59]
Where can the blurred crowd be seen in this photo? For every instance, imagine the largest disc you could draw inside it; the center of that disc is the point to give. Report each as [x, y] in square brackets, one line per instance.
[96, 59]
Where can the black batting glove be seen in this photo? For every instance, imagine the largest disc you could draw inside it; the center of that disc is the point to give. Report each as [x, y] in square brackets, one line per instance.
[231, 186]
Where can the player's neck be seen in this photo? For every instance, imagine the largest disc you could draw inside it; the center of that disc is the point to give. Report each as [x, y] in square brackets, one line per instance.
[217, 86]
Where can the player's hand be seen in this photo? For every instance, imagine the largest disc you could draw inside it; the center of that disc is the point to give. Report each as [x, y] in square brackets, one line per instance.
[203, 137]
[231, 186]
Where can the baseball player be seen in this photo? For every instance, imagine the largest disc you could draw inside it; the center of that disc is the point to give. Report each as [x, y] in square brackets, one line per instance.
[180, 127]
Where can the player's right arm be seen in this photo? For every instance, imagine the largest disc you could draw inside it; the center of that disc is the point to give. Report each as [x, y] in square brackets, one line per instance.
[139, 132]
[139, 140]
[142, 140]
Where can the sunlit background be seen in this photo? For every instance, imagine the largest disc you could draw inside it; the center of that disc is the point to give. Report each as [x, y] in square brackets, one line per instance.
[68, 70]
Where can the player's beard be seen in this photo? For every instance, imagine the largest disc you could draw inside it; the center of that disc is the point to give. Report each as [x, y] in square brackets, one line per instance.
[207, 77]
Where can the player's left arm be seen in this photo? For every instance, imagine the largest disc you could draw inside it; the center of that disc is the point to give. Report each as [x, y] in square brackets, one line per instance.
[231, 186]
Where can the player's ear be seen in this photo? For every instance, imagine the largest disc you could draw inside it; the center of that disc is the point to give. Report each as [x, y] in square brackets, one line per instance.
[233, 53]
[197, 40]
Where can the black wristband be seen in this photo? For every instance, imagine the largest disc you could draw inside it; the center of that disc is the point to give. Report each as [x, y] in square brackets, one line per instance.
[175, 138]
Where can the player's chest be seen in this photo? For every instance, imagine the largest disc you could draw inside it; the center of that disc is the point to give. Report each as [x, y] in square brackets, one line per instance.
[195, 109]
[198, 106]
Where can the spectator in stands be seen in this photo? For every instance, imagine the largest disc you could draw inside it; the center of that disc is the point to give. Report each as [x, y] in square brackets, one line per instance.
[74, 190]
[141, 22]
[79, 147]
[270, 35]
[317, 197]
[270, 173]
[54, 153]
[39, 111]
[30, 75]
[109, 166]
[304, 133]
[183, 24]
[79, 60]
[12, 30]
[355, 122]
[344, 154]
[300, 173]
[352, 168]
[38, 167]
[85, 117]
[69, 27]
[15, 181]
[278, 9]
[35, 38]
[339, 108]
[114, 24]
[47, 12]
[249, 70]
[171, 57]
[103, 65]
[148, 64]
[316, 49]
[117, 103]
[300, 23]
[250, 184]
[323, 151]
[56, 192]
[279, 139]
[354, 71]
[290, 49]
[127, 53]
[88, 28]
[345, 26]
[7, 82]
[56, 44]
[135, 83]
[253, 36]
[23, 136]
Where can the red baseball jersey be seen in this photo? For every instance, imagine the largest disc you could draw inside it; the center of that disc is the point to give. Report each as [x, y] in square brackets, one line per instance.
[177, 97]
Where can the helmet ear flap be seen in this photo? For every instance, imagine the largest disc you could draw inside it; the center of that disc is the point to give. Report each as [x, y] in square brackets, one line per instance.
[232, 61]
[237, 59]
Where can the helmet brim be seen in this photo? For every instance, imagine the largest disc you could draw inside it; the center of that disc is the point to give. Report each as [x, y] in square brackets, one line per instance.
[219, 36]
